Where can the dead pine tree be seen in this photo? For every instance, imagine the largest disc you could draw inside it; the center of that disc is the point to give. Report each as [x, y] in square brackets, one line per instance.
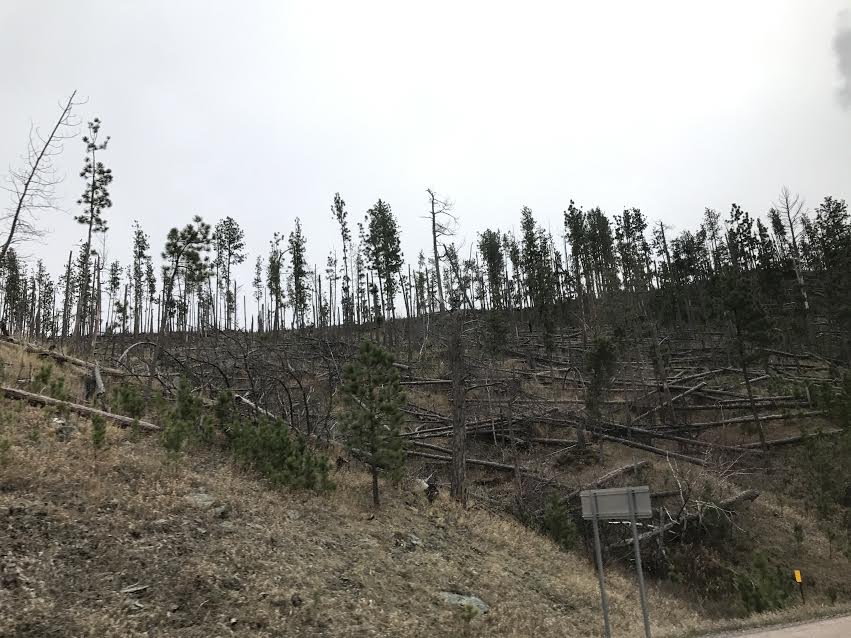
[455, 357]
[33, 185]
[443, 224]
[750, 321]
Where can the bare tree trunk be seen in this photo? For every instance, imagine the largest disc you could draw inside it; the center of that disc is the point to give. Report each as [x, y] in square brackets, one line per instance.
[35, 179]
[436, 256]
[455, 355]
[792, 208]
[754, 410]
[66, 305]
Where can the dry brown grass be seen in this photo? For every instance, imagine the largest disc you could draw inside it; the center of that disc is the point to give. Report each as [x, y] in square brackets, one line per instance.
[76, 530]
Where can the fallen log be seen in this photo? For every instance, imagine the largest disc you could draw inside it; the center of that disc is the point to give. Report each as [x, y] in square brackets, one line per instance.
[429, 446]
[650, 448]
[748, 419]
[482, 462]
[63, 358]
[254, 406]
[791, 439]
[547, 441]
[427, 382]
[631, 429]
[748, 495]
[671, 402]
[40, 399]
[608, 476]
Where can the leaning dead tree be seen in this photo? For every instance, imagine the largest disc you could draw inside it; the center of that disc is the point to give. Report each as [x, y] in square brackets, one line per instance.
[32, 186]
[443, 224]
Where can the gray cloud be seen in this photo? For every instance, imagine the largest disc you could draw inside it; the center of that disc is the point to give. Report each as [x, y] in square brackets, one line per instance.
[842, 47]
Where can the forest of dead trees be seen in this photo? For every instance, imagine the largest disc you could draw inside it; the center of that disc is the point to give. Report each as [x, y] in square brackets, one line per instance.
[790, 263]
[523, 349]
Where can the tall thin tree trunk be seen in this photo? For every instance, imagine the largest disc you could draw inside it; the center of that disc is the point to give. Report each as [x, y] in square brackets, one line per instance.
[66, 304]
[455, 355]
[754, 411]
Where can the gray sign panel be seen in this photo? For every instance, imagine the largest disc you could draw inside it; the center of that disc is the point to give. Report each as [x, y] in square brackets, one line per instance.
[614, 503]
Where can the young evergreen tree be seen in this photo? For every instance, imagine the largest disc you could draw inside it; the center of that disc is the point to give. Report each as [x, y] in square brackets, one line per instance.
[229, 243]
[384, 250]
[299, 275]
[347, 302]
[12, 291]
[257, 284]
[185, 250]
[372, 419]
[490, 245]
[112, 287]
[151, 285]
[833, 231]
[98, 433]
[95, 200]
[141, 245]
[274, 280]
[633, 249]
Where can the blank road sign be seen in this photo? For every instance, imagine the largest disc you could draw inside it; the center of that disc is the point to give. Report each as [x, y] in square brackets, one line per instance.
[614, 503]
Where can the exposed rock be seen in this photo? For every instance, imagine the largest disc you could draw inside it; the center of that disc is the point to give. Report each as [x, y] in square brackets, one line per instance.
[201, 500]
[406, 541]
[465, 601]
[63, 429]
[419, 486]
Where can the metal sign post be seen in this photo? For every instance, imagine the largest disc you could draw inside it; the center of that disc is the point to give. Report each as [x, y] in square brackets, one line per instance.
[800, 581]
[638, 569]
[618, 504]
[604, 601]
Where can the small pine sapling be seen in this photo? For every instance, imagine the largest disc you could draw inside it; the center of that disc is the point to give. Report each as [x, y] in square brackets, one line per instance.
[373, 417]
[129, 401]
[98, 433]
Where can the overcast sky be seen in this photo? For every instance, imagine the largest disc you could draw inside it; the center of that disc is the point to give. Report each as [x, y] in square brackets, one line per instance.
[263, 110]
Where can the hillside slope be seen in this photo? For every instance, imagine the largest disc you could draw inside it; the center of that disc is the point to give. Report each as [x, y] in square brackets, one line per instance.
[213, 552]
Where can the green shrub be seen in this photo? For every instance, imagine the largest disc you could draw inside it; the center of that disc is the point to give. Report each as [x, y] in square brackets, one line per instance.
[173, 437]
[372, 419]
[129, 401]
[558, 524]
[98, 433]
[187, 406]
[45, 383]
[281, 456]
[182, 420]
[224, 413]
[763, 587]
[42, 378]
[495, 332]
